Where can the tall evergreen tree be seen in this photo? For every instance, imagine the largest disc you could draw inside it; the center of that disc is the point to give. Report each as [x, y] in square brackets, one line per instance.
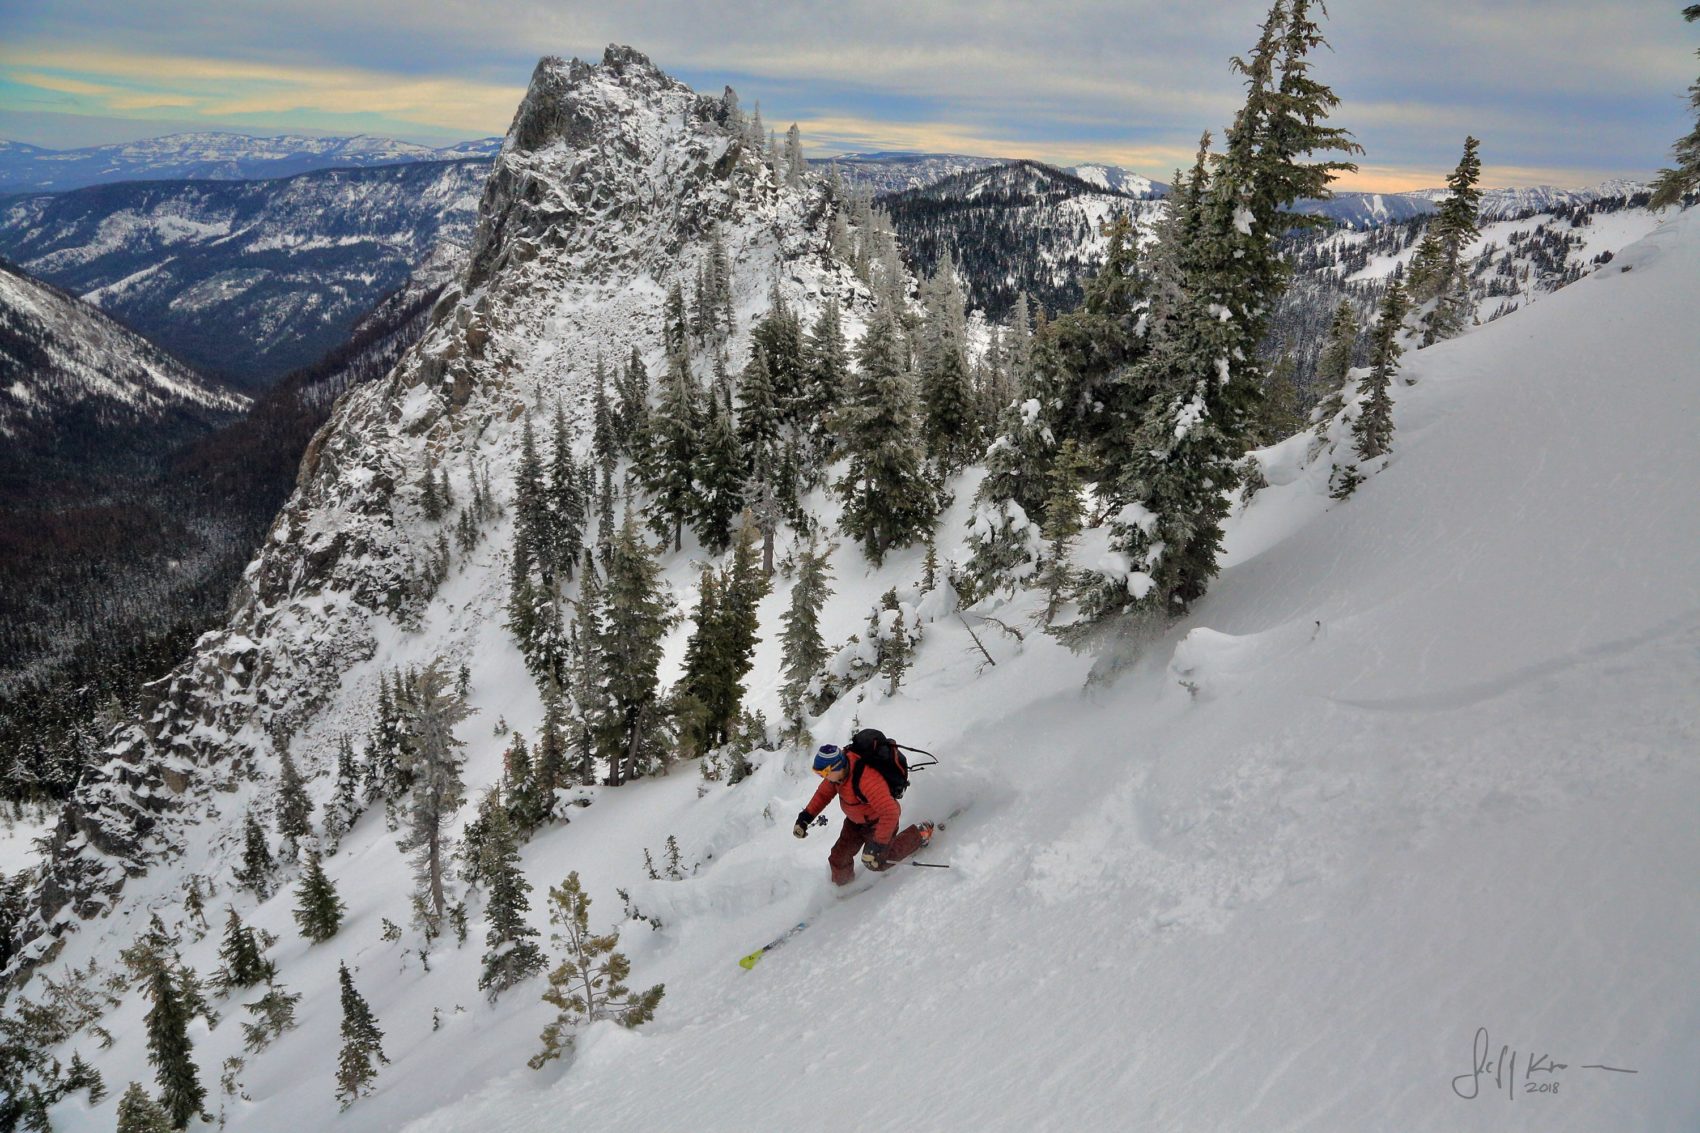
[512, 953]
[670, 471]
[635, 617]
[1674, 184]
[720, 471]
[170, 1052]
[435, 708]
[346, 804]
[675, 333]
[244, 963]
[827, 369]
[362, 1042]
[255, 875]
[532, 539]
[1203, 374]
[1373, 429]
[946, 388]
[566, 502]
[591, 705]
[1445, 300]
[632, 407]
[721, 649]
[319, 911]
[294, 808]
[1063, 519]
[888, 502]
[550, 770]
[779, 334]
[804, 651]
[1336, 360]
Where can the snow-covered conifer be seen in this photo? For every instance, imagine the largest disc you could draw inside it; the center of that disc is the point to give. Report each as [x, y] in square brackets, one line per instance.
[346, 804]
[671, 458]
[636, 615]
[888, 502]
[274, 1013]
[512, 953]
[675, 335]
[591, 706]
[434, 709]
[1444, 298]
[631, 408]
[719, 495]
[170, 1052]
[1372, 432]
[1063, 518]
[549, 768]
[294, 808]
[362, 1043]
[803, 650]
[794, 164]
[255, 875]
[1335, 363]
[319, 909]
[566, 502]
[946, 388]
[244, 964]
[139, 1113]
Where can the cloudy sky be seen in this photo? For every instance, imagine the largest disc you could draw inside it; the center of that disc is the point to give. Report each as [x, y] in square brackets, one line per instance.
[1565, 92]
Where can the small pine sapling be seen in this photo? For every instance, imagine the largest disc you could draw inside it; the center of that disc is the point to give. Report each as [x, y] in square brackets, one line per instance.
[139, 1113]
[274, 1013]
[588, 985]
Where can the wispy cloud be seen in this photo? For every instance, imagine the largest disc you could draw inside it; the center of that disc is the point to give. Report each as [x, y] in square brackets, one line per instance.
[1548, 85]
[112, 82]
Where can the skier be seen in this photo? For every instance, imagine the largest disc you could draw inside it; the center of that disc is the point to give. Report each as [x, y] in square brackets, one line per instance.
[870, 815]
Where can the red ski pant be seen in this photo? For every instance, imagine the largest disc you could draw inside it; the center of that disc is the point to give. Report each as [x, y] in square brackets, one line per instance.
[854, 836]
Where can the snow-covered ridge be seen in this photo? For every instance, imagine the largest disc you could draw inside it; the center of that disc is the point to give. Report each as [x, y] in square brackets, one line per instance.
[59, 354]
[210, 156]
[250, 278]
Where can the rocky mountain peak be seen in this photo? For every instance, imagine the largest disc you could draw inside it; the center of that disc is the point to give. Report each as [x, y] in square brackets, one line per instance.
[613, 187]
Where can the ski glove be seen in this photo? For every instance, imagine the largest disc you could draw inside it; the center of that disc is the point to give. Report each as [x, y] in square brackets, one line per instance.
[804, 821]
[873, 856]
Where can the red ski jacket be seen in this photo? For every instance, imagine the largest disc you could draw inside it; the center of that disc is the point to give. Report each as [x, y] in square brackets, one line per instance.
[875, 804]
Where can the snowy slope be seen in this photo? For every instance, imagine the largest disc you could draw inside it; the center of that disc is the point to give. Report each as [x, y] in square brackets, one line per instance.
[1420, 763]
[1436, 775]
[57, 354]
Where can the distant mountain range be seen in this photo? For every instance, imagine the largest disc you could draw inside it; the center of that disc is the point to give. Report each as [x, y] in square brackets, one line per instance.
[888, 172]
[250, 279]
[212, 157]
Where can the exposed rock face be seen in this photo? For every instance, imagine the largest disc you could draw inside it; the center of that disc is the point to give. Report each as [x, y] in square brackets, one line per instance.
[608, 189]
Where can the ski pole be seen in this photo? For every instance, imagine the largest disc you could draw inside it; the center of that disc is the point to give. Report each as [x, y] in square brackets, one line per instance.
[928, 865]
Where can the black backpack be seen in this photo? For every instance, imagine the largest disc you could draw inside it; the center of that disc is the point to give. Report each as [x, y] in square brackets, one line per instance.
[883, 755]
